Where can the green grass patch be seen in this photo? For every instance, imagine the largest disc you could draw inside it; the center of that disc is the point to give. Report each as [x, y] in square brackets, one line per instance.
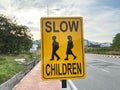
[8, 70]
[107, 51]
[9, 67]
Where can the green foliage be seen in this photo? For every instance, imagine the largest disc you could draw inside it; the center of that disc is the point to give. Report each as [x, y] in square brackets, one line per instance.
[116, 41]
[97, 50]
[8, 70]
[9, 67]
[2, 58]
[14, 38]
[108, 51]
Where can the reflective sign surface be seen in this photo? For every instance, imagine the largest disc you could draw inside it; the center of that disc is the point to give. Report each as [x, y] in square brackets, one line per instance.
[62, 48]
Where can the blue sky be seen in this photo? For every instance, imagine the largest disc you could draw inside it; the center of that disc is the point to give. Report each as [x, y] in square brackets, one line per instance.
[101, 17]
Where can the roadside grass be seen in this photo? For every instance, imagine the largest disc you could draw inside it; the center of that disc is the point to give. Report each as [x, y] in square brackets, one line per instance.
[8, 70]
[107, 51]
[113, 53]
[9, 67]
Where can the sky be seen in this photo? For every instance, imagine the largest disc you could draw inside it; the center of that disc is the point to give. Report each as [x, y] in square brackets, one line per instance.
[101, 18]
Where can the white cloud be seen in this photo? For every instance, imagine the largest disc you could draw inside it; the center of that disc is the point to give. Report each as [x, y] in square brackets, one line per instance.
[104, 25]
[101, 22]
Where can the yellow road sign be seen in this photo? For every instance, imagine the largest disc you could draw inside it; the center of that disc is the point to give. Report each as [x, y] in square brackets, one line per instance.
[62, 48]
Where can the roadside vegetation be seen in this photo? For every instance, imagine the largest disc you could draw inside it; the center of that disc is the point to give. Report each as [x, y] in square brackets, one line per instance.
[14, 38]
[15, 43]
[9, 67]
[107, 51]
[113, 50]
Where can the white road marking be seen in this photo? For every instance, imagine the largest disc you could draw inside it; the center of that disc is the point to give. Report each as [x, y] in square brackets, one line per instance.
[73, 87]
[100, 69]
[105, 70]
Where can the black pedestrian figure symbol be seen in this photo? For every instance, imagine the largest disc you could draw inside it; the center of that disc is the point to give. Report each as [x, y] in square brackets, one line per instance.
[55, 47]
[69, 48]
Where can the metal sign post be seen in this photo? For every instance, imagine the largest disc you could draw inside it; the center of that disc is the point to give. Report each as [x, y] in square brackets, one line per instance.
[64, 83]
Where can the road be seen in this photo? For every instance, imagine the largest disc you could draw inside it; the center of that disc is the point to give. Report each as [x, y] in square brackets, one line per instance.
[103, 73]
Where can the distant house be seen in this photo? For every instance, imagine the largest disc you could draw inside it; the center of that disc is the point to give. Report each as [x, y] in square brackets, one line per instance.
[34, 48]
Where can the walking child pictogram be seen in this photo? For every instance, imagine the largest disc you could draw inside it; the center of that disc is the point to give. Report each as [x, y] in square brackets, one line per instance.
[69, 48]
[55, 47]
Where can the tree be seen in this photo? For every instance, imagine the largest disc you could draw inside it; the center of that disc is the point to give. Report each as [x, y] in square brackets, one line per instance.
[116, 41]
[5, 25]
[14, 38]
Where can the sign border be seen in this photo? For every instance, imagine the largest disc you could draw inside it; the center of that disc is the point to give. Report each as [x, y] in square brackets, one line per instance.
[82, 42]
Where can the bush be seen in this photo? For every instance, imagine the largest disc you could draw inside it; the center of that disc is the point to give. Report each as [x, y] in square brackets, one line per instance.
[116, 42]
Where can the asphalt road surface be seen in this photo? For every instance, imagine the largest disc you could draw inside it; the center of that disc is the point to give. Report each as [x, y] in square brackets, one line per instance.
[103, 73]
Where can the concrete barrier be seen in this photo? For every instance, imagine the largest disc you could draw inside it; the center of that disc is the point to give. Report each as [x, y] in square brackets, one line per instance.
[8, 85]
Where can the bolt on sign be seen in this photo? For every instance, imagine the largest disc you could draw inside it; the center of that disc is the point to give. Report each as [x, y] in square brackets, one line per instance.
[62, 48]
